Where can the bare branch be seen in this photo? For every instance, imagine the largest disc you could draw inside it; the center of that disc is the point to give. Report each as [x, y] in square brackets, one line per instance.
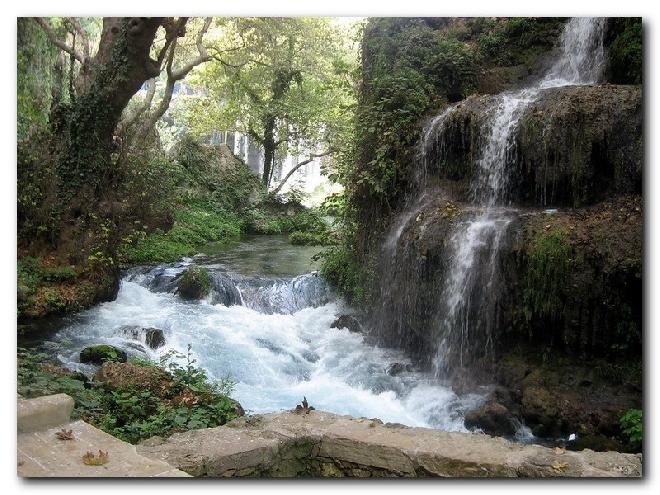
[57, 42]
[173, 30]
[296, 167]
[203, 54]
[146, 104]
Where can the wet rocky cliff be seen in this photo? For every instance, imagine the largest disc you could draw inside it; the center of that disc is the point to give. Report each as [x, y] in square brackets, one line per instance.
[516, 255]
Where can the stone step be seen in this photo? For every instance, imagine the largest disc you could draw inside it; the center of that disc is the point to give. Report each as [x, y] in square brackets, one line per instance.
[43, 412]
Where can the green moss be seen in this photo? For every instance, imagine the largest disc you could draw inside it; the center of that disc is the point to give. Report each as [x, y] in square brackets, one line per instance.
[98, 354]
[546, 279]
[195, 283]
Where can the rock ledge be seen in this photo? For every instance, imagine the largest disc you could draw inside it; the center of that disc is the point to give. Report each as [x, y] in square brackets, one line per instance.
[321, 444]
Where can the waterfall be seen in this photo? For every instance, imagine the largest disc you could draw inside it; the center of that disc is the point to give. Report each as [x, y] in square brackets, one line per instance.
[466, 305]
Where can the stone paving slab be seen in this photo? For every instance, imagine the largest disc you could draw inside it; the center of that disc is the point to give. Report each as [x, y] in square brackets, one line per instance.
[43, 412]
[41, 454]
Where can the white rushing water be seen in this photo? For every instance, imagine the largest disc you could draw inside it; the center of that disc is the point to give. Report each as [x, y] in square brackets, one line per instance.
[278, 346]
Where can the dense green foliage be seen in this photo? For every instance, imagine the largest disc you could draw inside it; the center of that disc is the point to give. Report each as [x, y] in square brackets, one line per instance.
[632, 426]
[626, 53]
[281, 81]
[212, 196]
[188, 400]
[35, 72]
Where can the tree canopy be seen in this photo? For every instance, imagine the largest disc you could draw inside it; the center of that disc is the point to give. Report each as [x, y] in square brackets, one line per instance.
[285, 82]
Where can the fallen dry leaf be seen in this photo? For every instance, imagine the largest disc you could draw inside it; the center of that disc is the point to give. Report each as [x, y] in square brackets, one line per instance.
[92, 460]
[559, 450]
[65, 434]
[559, 466]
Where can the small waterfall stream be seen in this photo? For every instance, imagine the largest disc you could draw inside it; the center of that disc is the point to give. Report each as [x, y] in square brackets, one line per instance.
[267, 325]
[467, 303]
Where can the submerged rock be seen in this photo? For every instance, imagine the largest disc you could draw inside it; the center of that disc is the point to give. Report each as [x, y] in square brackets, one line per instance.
[154, 338]
[395, 369]
[348, 322]
[99, 354]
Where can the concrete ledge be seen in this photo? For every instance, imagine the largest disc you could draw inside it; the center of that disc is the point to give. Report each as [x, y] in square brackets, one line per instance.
[43, 412]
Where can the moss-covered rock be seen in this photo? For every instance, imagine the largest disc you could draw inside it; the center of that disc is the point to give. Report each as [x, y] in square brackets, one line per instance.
[579, 145]
[579, 277]
[195, 283]
[574, 145]
[99, 354]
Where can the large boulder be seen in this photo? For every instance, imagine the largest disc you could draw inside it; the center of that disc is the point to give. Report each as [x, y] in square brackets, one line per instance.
[99, 354]
[492, 418]
[195, 283]
[574, 145]
[154, 337]
[128, 375]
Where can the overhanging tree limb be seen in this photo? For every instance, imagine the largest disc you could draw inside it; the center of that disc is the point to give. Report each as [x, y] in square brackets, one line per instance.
[296, 167]
[174, 75]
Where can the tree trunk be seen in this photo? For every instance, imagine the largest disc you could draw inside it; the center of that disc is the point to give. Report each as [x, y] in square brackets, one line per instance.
[84, 130]
[269, 149]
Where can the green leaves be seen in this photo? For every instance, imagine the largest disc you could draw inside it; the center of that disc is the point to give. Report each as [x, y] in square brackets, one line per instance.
[632, 426]
[133, 413]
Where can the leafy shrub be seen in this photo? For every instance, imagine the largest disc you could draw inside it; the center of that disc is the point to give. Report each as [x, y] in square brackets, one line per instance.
[626, 52]
[632, 428]
[186, 400]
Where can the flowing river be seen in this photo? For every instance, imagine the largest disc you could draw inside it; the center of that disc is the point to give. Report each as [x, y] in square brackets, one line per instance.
[267, 326]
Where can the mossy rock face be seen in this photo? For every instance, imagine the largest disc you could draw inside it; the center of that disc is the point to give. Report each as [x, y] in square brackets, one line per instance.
[195, 283]
[99, 354]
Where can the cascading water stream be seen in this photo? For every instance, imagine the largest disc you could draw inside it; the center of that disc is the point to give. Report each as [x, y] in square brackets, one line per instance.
[580, 62]
[267, 326]
[467, 301]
